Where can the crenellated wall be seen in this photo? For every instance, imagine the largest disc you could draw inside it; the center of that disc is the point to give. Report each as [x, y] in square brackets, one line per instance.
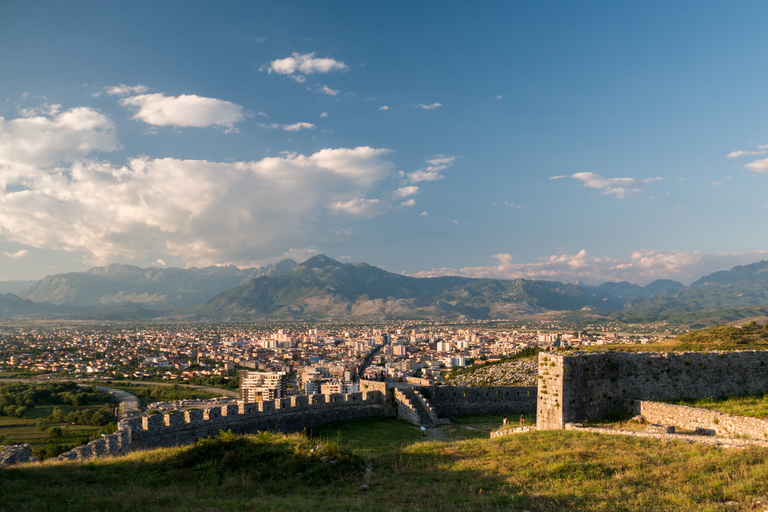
[284, 415]
[580, 387]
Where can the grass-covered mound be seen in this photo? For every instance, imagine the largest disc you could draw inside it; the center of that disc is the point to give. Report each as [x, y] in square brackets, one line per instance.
[538, 471]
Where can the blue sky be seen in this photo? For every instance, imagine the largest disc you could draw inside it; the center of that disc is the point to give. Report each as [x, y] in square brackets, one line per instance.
[598, 141]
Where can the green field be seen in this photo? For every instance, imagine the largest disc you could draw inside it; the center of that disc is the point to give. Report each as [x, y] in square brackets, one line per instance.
[23, 430]
[382, 464]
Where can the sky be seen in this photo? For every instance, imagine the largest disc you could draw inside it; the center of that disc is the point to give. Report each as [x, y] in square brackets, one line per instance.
[593, 141]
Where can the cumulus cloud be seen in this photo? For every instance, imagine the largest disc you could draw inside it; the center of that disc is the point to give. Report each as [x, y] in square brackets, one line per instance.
[187, 110]
[432, 171]
[431, 106]
[47, 140]
[617, 187]
[125, 90]
[327, 90]
[383, 107]
[298, 65]
[295, 127]
[406, 191]
[559, 177]
[737, 154]
[54, 194]
[298, 126]
[759, 166]
[17, 255]
[642, 267]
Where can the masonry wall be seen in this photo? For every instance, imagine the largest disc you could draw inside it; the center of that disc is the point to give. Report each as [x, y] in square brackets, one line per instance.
[284, 415]
[456, 401]
[575, 388]
[702, 420]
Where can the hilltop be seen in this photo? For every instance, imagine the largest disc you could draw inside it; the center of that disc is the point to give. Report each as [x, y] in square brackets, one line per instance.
[373, 465]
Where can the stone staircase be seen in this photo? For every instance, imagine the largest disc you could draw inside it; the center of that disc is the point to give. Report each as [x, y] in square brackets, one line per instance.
[412, 406]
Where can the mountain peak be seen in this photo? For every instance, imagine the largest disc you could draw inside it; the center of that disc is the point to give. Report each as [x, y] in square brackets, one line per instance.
[321, 261]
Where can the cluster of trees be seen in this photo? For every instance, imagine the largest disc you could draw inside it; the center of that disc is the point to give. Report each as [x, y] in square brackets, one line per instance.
[98, 417]
[163, 393]
[231, 381]
[15, 398]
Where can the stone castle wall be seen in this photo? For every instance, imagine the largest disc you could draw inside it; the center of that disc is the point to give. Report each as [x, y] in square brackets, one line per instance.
[284, 415]
[456, 401]
[579, 387]
[703, 421]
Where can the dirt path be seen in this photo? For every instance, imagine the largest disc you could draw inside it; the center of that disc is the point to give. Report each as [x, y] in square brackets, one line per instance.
[438, 434]
[129, 404]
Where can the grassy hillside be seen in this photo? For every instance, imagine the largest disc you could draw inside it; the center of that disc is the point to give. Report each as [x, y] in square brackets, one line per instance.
[389, 466]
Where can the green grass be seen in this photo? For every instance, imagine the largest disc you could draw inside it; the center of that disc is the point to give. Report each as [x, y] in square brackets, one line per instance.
[480, 427]
[755, 406]
[537, 471]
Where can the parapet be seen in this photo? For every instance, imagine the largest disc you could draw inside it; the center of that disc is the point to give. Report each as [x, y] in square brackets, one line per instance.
[180, 428]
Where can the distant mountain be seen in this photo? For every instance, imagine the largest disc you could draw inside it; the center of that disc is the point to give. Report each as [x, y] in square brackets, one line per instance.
[323, 288]
[14, 286]
[13, 306]
[150, 287]
[625, 291]
[741, 291]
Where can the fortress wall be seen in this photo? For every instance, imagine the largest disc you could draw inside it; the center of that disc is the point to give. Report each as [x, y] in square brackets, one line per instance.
[284, 415]
[457, 401]
[579, 387]
[703, 421]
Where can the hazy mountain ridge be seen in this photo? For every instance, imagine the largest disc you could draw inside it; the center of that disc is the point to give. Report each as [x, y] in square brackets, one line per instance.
[150, 287]
[322, 288]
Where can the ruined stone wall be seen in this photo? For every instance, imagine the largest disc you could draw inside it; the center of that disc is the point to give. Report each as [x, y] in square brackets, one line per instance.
[703, 421]
[291, 414]
[579, 387]
[373, 385]
[456, 401]
[15, 454]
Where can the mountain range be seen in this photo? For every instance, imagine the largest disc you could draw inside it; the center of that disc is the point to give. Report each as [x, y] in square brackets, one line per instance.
[322, 288]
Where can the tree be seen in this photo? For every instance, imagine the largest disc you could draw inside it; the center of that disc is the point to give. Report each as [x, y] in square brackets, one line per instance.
[55, 433]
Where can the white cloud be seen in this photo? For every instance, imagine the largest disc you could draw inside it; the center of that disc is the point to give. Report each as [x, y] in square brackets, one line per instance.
[125, 90]
[295, 127]
[324, 114]
[359, 207]
[383, 107]
[642, 267]
[618, 187]
[327, 90]
[298, 126]
[187, 110]
[432, 171]
[561, 176]
[760, 166]
[17, 255]
[55, 195]
[298, 65]
[431, 106]
[737, 154]
[423, 214]
[499, 97]
[160, 262]
[406, 191]
[46, 141]
[408, 203]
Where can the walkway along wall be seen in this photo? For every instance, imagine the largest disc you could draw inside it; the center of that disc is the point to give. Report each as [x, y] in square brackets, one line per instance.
[580, 387]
